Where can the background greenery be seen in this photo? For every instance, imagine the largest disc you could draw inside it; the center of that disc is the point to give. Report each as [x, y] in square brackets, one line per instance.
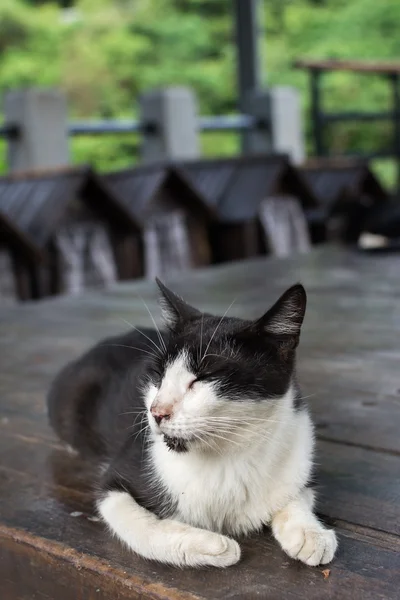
[104, 53]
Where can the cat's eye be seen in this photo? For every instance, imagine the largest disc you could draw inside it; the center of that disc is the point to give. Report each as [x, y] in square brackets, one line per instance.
[191, 384]
[156, 375]
[205, 376]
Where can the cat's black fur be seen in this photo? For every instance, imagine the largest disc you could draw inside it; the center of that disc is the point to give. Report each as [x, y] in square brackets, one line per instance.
[94, 402]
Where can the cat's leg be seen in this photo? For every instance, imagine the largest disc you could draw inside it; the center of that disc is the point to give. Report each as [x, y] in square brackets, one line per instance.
[301, 534]
[164, 540]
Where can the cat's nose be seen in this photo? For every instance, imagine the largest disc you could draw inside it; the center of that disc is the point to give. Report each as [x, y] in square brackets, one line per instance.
[160, 415]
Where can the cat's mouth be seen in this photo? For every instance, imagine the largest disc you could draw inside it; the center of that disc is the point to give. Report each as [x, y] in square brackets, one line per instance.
[176, 444]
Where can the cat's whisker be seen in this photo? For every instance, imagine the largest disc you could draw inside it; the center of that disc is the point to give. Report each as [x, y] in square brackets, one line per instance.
[213, 434]
[134, 424]
[254, 427]
[144, 424]
[140, 431]
[146, 437]
[217, 327]
[201, 439]
[216, 355]
[239, 418]
[307, 397]
[249, 434]
[162, 343]
[215, 447]
[230, 420]
[225, 439]
[209, 442]
[159, 349]
[245, 437]
[132, 348]
[237, 429]
[143, 418]
[201, 335]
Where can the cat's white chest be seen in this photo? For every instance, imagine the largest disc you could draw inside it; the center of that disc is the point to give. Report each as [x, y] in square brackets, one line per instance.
[219, 494]
[237, 492]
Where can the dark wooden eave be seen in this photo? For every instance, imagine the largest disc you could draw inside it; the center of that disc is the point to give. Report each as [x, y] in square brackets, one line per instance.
[33, 204]
[333, 179]
[234, 187]
[136, 188]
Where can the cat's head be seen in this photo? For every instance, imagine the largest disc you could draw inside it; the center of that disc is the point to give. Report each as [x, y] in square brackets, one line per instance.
[219, 380]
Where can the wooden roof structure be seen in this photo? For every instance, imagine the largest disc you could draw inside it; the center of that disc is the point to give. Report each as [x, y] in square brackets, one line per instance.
[235, 187]
[334, 180]
[33, 204]
[156, 189]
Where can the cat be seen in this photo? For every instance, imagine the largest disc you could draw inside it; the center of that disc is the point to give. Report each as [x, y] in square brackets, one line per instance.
[199, 434]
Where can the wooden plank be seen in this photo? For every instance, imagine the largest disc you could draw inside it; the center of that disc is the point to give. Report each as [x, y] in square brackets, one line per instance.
[42, 516]
[359, 486]
[344, 477]
[372, 373]
[358, 66]
[357, 418]
[59, 571]
[51, 570]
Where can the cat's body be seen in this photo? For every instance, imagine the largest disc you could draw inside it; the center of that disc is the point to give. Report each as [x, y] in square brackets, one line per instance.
[197, 430]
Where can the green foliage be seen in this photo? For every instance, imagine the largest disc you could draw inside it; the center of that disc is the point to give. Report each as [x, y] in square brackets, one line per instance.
[104, 53]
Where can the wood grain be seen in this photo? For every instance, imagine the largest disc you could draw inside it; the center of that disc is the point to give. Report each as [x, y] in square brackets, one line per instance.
[52, 546]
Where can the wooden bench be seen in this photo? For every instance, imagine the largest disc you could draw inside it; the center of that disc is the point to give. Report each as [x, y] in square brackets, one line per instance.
[52, 547]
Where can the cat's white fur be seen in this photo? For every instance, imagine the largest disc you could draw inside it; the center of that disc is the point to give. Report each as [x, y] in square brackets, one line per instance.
[241, 475]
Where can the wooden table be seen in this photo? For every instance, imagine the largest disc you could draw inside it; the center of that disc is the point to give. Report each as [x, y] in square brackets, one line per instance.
[52, 548]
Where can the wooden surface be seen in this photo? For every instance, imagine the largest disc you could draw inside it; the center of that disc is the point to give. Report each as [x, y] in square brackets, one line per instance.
[349, 367]
[359, 66]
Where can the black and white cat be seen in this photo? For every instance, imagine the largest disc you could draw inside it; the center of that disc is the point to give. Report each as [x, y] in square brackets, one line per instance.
[199, 433]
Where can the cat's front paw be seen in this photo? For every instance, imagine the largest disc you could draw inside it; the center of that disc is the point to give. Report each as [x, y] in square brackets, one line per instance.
[313, 546]
[201, 548]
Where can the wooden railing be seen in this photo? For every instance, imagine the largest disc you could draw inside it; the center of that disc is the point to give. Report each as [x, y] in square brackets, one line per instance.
[320, 118]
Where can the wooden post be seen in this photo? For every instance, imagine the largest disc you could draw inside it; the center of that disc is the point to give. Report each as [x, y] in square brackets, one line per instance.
[246, 15]
[21, 277]
[394, 78]
[259, 140]
[280, 129]
[286, 123]
[170, 129]
[317, 122]
[41, 118]
[29, 278]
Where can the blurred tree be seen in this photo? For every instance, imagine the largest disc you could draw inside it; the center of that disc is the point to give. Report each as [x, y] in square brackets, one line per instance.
[104, 53]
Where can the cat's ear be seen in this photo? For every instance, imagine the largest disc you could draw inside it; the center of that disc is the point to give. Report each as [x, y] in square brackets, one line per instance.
[174, 308]
[286, 316]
